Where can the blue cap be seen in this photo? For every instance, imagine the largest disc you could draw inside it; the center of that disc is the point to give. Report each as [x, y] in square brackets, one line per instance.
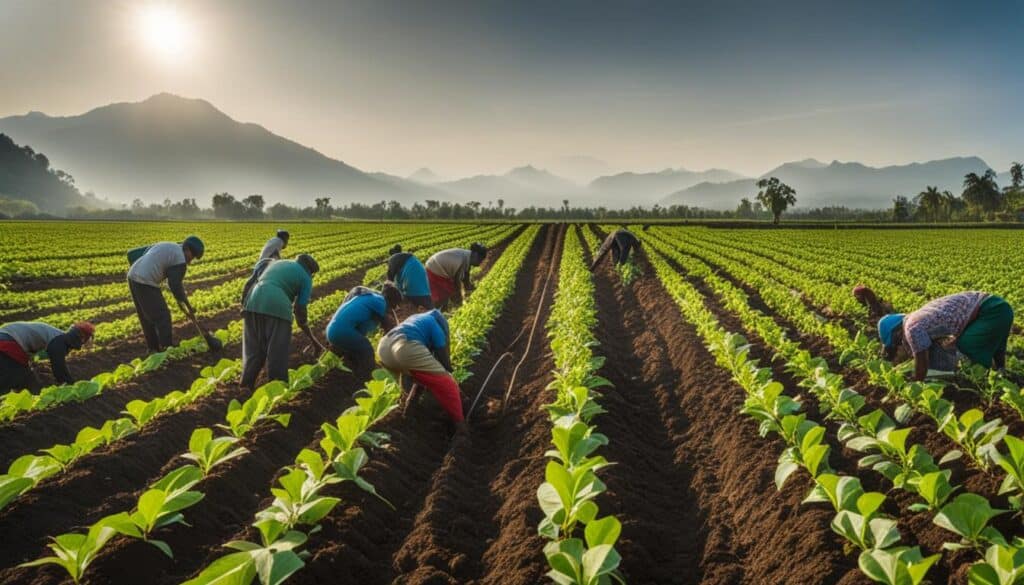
[888, 324]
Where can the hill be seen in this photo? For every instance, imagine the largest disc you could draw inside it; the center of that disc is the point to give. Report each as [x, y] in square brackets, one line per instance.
[170, 146]
[628, 189]
[851, 184]
[519, 187]
[26, 175]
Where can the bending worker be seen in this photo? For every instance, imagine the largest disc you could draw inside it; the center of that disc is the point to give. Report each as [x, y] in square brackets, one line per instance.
[359, 315]
[20, 341]
[448, 272]
[975, 323]
[418, 348]
[273, 247]
[267, 317]
[150, 267]
[408, 273]
[620, 242]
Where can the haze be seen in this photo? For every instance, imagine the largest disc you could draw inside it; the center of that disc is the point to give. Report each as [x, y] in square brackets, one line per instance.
[479, 87]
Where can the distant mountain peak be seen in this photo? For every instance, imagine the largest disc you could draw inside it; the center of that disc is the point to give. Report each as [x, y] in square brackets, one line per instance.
[424, 175]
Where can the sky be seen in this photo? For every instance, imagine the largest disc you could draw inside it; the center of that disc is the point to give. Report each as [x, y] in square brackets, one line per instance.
[478, 87]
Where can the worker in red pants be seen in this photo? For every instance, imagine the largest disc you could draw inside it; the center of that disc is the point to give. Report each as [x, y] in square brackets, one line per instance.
[417, 352]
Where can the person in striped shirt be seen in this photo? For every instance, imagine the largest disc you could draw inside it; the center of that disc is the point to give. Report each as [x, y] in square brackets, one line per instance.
[973, 323]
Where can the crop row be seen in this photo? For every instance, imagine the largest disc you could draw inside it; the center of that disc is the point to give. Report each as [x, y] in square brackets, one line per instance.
[859, 517]
[567, 496]
[164, 502]
[909, 468]
[300, 501]
[333, 263]
[219, 265]
[14, 403]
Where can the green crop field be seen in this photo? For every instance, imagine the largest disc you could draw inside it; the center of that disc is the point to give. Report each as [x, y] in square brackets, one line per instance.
[716, 411]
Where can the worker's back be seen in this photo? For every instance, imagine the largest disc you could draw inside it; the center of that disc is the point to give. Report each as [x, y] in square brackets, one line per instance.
[151, 268]
[361, 311]
[452, 263]
[283, 283]
[32, 336]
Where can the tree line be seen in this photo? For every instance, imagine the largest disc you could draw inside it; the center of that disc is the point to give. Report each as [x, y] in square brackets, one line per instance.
[980, 199]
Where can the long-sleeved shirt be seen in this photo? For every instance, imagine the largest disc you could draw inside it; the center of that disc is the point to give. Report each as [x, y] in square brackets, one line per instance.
[282, 284]
[162, 261]
[272, 249]
[942, 318]
[407, 272]
[621, 238]
[452, 264]
[34, 337]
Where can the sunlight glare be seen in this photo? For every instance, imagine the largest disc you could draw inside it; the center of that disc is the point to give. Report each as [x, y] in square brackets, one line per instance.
[165, 32]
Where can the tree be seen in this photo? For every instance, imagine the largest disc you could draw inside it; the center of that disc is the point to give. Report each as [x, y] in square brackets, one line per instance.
[745, 209]
[981, 191]
[931, 203]
[501, 207]
[565, 207]
[225, 206]
[253, 206]
[475, 206]
[323, 206]
[1017, 175]
[776, 196]
[901, 209]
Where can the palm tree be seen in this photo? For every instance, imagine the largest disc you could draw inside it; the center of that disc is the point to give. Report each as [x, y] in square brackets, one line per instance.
[776, 196]
[982, 192]
[1017, 175]
[931, 203]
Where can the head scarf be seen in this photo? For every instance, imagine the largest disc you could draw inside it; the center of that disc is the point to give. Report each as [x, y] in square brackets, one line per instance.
[886, 326]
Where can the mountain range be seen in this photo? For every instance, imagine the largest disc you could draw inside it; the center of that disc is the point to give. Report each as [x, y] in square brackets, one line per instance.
[849, 184]
[173, 147]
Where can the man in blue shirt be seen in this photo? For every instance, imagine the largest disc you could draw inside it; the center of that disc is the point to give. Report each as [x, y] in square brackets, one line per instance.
[359, 315]
[420, 348]
[408, 273]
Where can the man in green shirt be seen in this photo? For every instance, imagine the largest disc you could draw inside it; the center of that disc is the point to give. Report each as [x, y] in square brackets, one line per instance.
[267, 317]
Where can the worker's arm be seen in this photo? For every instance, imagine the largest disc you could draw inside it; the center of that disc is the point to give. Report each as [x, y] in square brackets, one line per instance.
[467, 280]
[394, 267]
[443, 355]
[261, 266]
[176, 282]
[602, 252]
[920, 365]
[388, 322]
[302, 320]
[57, 351]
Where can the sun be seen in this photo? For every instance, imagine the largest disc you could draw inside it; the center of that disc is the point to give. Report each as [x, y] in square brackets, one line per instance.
[165, 32]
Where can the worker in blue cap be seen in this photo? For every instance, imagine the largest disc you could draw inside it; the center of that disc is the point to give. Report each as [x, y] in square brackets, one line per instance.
[975, 324]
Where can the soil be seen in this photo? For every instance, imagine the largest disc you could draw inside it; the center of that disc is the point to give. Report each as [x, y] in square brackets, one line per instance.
[692, 481]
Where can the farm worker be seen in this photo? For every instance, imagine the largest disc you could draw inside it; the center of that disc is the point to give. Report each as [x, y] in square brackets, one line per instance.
[159, 262]
[359, 315]
[867, 297]
[21, 340]
[408, 273]
[418, 348]
[273, 247]
[620, 242]
[267, 317]
[975, 323]
[271, 251]
[448, 272]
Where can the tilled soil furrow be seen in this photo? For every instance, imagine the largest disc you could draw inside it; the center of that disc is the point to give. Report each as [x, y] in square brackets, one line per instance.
[484, 491]
[360, 542]
[751, 532]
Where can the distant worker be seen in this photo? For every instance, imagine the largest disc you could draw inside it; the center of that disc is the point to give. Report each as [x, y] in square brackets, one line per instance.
[267, 317]
[620, 242]
[360, 314]
[150, 266]
[273, 247]
[974, 323]
[271, 251]
[867, 297]
[448, 272]
[419, 348]
[409, 275]
[20, 341]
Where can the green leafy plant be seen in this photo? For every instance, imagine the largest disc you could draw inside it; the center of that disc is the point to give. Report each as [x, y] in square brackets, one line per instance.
[896, 566]
[75, 552]
[934, 488]
[1003, 565]
[592, 561]
[208, 452]
[968, 516]
[864, 525]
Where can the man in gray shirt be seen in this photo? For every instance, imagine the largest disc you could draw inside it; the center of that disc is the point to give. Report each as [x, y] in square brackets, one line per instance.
[273, 247]
[163, 261]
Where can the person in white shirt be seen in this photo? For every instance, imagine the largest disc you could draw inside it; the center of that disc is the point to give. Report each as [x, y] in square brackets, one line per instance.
[273, 247]
[159, 262]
